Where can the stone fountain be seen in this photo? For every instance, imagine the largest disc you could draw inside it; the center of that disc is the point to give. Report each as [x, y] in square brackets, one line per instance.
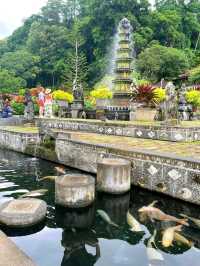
[123, 81]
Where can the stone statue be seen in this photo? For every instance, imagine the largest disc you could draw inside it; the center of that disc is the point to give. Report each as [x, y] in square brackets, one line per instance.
[184, 109]
[126, 27]
[29, 106]
[77, 91]
[169, 108]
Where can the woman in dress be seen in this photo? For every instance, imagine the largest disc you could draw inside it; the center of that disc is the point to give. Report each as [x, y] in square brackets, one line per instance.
[48, 104]
[41, 100]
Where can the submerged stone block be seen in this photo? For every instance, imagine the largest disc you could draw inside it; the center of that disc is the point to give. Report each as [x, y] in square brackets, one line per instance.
[114, 175]
[74, 190]
[22, 212]
[11, 255]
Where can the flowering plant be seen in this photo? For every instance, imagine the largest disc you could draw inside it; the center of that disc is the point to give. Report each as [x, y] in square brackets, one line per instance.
[61, 95]
[159, 95]
[144, 93]
[34, 91]
[19, 99]
[101, 93]
[193, 97]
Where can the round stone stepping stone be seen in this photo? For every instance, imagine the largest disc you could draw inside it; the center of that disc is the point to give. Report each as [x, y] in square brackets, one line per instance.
[22, 212]
[113, 175]
[74, 190]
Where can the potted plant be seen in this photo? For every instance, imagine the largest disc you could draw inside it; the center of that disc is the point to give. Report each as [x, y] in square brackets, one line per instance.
[146, 98]
[102, 96]
[193, 97]
[62, 98]
[89, 107]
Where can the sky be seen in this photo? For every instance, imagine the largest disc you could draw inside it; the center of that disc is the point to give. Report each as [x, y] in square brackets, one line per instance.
[13, 12]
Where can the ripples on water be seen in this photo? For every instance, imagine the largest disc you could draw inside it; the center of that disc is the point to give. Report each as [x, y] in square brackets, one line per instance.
[81, 237]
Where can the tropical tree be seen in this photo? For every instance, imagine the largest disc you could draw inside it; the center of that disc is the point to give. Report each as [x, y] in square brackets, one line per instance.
[159, 62]
[23, 64]
[9, 83]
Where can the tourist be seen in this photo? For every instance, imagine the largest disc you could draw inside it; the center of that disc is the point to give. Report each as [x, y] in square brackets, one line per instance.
[48, 104]
[7, 110]
[1, 105]
[41, 100]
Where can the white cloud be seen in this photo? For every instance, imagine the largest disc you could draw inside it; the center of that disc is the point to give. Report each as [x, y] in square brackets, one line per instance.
[13, 12]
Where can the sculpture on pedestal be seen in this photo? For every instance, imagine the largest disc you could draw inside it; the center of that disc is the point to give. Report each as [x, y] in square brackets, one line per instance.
[185, 109]
[29, 106]
[78, 104]
[169, 108]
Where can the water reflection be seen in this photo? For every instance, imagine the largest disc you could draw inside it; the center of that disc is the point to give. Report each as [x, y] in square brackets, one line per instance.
[75, 248]
[23, 231]
[82, 237]
[75, 218]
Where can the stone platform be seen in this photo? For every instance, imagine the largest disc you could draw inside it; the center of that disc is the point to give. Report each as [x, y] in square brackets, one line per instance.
[172, 168]
[11, 255]
[186, 132]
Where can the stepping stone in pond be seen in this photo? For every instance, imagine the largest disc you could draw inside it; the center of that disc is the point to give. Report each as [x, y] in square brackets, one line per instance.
[22, 212]
[11, 255]
[114, 175]
[74, 190]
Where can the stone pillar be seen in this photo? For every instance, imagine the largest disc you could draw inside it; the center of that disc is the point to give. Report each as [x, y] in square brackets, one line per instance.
[114, 175]
[76, 107]
[74, 190]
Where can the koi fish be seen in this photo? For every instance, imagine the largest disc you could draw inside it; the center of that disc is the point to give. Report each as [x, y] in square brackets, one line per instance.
[60, 170]
[143, 216]
[34, 193]
[106, 218]
[48, 177]
[181, 239]
[152, 253]
[133, 223]
[194, 220]
[168, 235]
[155, 213]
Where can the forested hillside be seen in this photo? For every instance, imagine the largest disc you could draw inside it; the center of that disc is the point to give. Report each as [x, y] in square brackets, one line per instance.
[166, 37]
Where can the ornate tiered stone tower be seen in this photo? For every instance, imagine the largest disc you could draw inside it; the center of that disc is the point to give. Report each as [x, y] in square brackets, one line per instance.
[122, 81]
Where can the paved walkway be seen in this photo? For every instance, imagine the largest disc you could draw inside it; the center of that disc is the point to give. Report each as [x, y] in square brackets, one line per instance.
[182, 149]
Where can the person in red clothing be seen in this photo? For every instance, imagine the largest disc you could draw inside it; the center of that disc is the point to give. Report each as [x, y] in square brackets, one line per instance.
[48, 103]
[41, 101]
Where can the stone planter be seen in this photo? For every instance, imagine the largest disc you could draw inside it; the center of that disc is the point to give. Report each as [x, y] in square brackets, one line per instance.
[145, 114]
[62, 103]
[90, 114]
[102, 103]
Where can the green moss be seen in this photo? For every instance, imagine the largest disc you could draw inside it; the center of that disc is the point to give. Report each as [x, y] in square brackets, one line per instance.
[20, 129]
[42, 152]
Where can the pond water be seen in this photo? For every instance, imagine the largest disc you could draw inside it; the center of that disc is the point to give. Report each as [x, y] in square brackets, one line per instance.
[81, 237]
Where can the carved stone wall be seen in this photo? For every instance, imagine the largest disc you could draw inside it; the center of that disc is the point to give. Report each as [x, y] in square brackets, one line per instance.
[175, 133]
[172, 176]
